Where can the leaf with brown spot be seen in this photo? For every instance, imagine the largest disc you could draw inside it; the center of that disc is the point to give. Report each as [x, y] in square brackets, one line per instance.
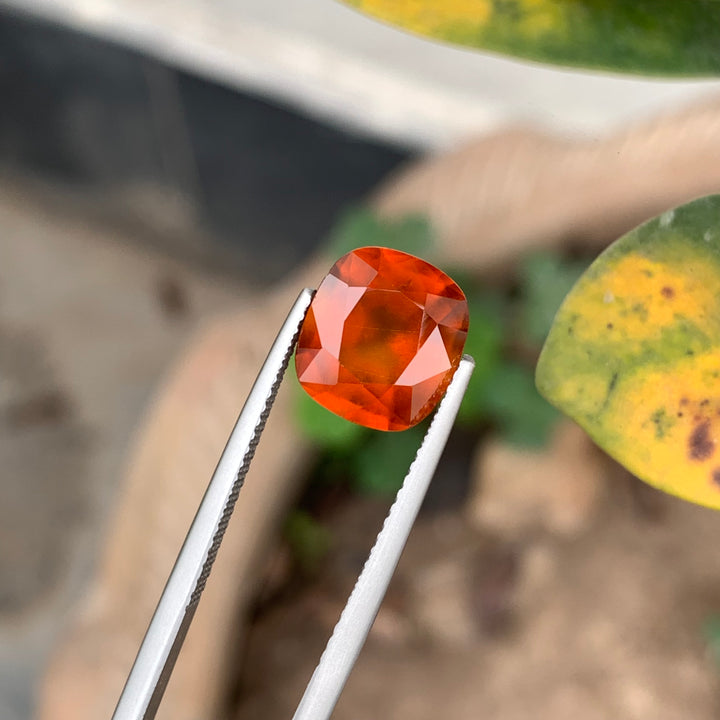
[634, 352]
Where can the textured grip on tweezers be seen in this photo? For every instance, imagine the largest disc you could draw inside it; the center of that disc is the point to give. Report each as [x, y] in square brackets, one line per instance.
[163, 640]
[359, 614]
[240, 479]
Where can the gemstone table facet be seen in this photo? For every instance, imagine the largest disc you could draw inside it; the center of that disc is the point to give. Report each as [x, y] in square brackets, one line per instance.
[382, 338]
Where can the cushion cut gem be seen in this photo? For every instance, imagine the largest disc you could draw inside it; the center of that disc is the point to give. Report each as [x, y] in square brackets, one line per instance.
[382, 338]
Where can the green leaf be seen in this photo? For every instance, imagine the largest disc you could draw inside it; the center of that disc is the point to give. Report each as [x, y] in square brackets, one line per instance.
[382, 462]
[634, 353]
[522, 415]
[546, 279]
[662, 37]
[360, 227]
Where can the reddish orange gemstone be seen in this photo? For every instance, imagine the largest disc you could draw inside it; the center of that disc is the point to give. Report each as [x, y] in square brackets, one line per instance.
[382, 338]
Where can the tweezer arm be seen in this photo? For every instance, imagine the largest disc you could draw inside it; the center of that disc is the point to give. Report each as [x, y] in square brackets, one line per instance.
[359, 614]
[165, 635]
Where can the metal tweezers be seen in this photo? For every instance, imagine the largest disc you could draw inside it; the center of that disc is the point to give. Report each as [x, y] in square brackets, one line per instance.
[165, 635]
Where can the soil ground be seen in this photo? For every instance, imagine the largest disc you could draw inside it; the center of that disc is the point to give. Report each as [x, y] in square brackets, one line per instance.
[611, 624]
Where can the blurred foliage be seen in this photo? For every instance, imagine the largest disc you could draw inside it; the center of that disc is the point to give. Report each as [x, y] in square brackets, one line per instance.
[323, 427]
[513, 403]
[488, 322]
[546, 279]
[659, 37]
[501, 395]
[360, 227]
[711, 631]
[396, 451]
[308, 540]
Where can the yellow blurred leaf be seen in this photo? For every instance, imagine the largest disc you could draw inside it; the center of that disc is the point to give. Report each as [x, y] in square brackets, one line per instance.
[670, 37]
[634, 352]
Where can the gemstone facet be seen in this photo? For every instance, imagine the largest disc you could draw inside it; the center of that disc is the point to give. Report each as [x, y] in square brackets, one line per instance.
[382, 338]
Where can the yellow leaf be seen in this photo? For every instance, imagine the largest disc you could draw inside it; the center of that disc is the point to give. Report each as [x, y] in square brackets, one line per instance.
[634, 352]
[668, 37]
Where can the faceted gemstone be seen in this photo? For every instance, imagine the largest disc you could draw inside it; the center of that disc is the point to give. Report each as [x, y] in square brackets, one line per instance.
[382, 338]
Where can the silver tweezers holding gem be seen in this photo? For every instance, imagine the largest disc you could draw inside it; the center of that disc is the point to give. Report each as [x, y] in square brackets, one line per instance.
[165, 635]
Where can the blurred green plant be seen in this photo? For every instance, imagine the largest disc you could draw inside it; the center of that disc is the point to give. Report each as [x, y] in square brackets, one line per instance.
[502, 394]
[327, 430]
[360, 227]
[668, 37]
[308, 540]
[546, 278]
[397, 451]
[711, 631]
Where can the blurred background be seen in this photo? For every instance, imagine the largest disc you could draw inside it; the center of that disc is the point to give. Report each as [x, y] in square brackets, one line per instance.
[170, 174]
